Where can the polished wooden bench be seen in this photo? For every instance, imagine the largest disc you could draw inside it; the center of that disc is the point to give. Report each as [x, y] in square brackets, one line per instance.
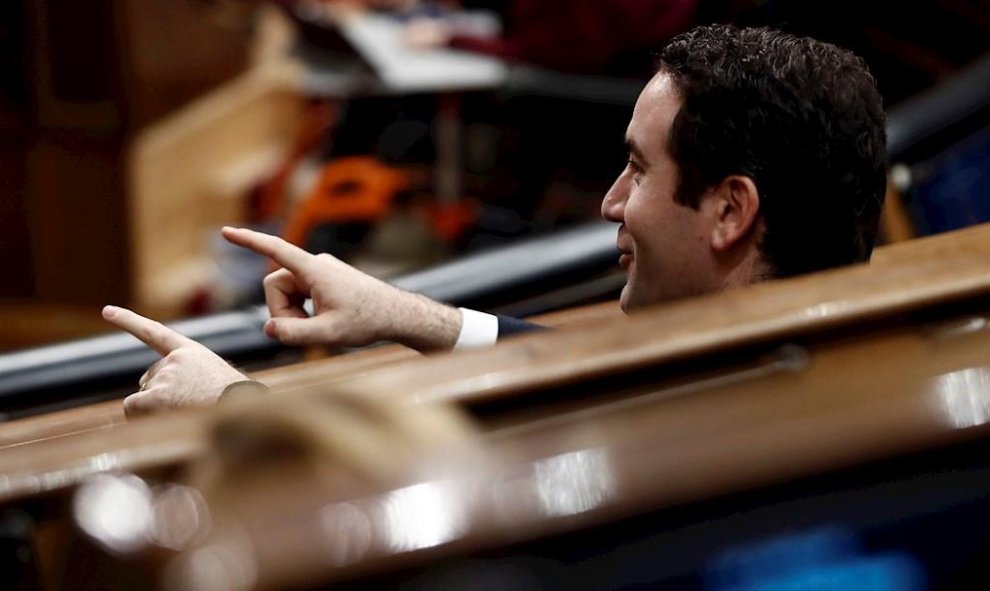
[839, 403]
[534, 376]
[106, 415]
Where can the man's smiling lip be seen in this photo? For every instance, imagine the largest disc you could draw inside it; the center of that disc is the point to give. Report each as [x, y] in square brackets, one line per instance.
[625, 253]
[625, 256]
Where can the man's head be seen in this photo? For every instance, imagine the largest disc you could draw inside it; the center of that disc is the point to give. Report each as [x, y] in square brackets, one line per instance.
[753, 154]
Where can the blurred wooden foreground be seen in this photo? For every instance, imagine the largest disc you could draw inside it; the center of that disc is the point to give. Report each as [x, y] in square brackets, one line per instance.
[611, 416]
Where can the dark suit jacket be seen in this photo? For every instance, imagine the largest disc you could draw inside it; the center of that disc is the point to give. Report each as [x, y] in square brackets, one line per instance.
[508, 326]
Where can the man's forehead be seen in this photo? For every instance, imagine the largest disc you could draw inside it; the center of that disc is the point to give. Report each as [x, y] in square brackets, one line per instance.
[655, 109]
[661, 83]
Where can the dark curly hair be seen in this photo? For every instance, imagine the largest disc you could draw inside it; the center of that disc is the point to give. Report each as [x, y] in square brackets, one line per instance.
[800, 117]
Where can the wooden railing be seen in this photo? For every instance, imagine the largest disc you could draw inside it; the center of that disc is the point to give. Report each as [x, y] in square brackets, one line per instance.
[832, 403]
[678, 343]
[106, 415]
[688, 401]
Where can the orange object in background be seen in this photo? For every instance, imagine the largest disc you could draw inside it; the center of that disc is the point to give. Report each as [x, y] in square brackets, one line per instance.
[317, 120]
[352, 189]
[450, 220]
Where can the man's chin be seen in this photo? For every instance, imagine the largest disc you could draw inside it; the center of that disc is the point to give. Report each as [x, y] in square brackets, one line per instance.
[626, 302]
[632, 299]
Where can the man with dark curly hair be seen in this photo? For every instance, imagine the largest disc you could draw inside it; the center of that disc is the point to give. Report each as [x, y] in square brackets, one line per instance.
[753, 154]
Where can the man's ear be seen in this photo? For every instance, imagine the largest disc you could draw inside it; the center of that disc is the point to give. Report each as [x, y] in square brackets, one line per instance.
[737, 211]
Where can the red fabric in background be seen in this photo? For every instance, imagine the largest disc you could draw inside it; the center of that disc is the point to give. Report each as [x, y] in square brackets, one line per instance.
[582, 36]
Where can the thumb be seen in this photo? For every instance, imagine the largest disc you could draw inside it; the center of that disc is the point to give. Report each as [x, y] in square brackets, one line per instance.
[140, 403]
[299, 331]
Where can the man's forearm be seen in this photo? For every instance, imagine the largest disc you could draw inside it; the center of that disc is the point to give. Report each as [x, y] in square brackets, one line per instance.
[426, 325]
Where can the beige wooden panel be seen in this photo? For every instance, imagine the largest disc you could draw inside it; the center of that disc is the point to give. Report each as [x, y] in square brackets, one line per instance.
[189, 174]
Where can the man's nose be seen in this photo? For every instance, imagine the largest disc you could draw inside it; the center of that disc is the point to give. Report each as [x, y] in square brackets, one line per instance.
[614, 203]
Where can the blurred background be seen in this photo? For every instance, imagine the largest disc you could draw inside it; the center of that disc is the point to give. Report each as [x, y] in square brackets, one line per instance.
[394, 134]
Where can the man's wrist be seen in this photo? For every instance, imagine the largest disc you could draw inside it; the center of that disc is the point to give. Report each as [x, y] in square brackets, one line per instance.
[428, 325]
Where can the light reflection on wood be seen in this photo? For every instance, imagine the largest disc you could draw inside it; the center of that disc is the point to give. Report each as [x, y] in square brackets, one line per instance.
[937, 271]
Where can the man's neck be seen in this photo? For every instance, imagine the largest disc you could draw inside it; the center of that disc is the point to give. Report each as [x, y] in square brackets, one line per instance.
[751, 269]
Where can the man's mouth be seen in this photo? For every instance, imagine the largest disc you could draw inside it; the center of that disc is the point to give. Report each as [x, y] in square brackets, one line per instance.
[625, 253]
[625, 259]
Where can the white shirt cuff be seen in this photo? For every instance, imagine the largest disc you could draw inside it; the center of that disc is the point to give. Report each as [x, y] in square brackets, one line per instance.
[477, 329]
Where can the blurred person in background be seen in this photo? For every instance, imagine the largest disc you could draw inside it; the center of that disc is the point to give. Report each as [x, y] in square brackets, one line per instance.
[581, 36]
[529, 131]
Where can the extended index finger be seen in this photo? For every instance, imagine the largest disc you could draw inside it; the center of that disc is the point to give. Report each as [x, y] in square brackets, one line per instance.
[285, 254]
[156, 335]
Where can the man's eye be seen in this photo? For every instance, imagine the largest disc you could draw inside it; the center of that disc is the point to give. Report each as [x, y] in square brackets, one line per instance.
[634, 167]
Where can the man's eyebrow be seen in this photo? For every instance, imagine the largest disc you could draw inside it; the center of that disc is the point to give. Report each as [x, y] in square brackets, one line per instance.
[635, 151]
